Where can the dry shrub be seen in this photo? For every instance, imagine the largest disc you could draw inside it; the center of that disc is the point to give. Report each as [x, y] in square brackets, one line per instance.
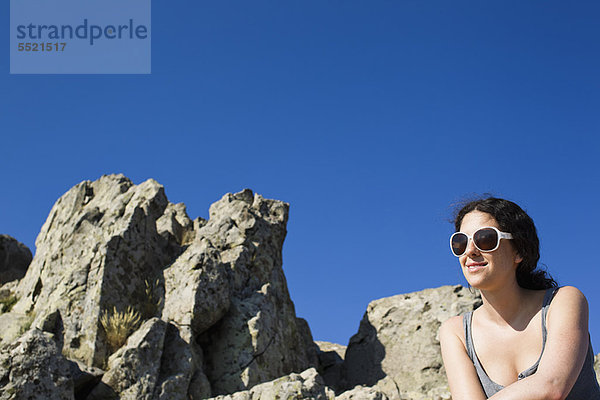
[118, 325]
[7, 303]
[151, 304]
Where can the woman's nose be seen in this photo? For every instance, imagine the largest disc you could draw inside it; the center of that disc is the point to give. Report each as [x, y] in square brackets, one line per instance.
[471, 249]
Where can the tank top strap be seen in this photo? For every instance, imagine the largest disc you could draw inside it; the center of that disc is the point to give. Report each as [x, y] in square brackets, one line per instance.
[489, 387]
[550, 292]
[468, 338]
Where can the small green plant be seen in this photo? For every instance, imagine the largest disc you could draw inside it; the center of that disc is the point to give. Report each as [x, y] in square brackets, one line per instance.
[8, 303]
[118, 325]
[28, 321]
[25, 327]
[151, 304]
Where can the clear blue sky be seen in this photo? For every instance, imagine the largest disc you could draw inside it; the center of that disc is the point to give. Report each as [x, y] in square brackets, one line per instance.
[369, 118]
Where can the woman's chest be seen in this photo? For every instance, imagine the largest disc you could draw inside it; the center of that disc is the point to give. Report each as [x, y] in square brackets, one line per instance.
[505, 353]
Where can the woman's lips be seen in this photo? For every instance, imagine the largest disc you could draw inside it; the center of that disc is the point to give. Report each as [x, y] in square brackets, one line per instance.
[475, 266]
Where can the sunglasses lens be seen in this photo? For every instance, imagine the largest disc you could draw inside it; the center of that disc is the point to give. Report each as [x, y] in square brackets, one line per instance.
[459, 243]
[486, 239]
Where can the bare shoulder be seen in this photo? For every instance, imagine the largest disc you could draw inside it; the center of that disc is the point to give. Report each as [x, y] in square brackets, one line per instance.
[569, 296]
[452, 323]
[460, 371]
[569, 305]
[452, 326]
[451, 334]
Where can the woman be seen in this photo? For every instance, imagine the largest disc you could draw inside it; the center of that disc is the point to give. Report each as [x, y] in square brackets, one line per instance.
[529, 340]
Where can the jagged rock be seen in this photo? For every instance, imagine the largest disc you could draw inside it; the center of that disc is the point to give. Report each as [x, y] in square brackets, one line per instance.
[259, 338]
[362, 393]
[397, 348]
[330, 349]
[175, 226]
[133, 370]
[307, 385]
[96, 250]
[331, 358]
[15, 257]
[33, 368]
[181, 376]
[197, 288]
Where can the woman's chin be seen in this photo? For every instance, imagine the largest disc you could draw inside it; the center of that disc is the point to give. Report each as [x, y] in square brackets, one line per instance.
[476, 283]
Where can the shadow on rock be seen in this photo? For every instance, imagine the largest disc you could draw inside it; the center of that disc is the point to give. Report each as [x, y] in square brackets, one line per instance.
[363, 361]
[228, 352]
[102, 392]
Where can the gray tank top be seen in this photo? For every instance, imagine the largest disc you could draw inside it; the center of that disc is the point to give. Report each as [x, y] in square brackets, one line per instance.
[585, 388]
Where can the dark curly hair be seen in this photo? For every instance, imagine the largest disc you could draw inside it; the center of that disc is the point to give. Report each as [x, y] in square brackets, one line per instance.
[511, 218]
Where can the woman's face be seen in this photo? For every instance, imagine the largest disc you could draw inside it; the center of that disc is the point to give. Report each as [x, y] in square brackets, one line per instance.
[487, 270]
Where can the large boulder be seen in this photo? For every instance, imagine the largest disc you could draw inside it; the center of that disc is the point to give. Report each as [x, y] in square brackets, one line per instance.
[33, 368]
[259, 338]
[397, 348]
[133, 369]
[15, 257]
[197, 287]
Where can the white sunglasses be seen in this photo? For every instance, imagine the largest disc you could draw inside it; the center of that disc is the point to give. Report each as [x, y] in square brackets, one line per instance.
[485, 239]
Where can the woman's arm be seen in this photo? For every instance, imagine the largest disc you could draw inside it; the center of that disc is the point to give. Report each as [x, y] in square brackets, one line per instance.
[462, 377]
[564, 354]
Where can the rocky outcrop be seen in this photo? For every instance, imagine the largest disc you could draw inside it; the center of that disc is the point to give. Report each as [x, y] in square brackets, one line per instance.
[94, 253]
[259, 338]
[217, 311]
[397, 348]
[15, 257]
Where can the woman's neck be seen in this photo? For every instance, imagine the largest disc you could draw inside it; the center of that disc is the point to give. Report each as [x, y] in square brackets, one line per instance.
[511, 305]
